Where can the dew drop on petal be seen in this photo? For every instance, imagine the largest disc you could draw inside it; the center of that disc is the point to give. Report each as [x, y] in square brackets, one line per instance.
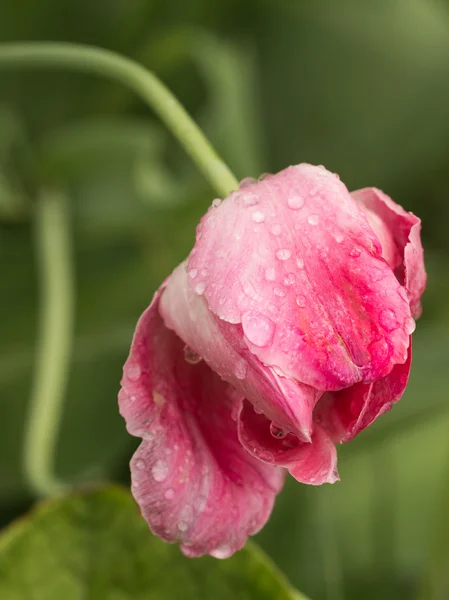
[279, 292]
[190, 356]
[250, 199]
[200, 288]
[270, 274]
[216, 203]
[301, 301]
[193, 273]
[313, 219]
[247, 181]
[388, 320]
[133, 372]
[222, 551]
[258, 216]
[160, 470]
[339, 238]
[355, 252]
[182, 526]
[257, 328]
[241, 369]
[409, 325]
[169, 494]
[300, 263]
[295, 202]
[289, 279]
[140, 463]
[283, 254]
[277, 431]
[276, 229]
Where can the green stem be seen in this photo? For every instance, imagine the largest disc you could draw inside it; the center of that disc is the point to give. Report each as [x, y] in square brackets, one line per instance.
[103, 62]
[55, 341]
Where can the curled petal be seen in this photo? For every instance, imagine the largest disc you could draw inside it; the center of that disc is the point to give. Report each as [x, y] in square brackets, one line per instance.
[403, 229]
[293, 260]
[313, 462]
[194, 482]
[346, 413]
[222, 346]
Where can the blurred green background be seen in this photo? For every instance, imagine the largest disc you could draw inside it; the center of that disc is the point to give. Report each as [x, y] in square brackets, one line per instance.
[360, 86]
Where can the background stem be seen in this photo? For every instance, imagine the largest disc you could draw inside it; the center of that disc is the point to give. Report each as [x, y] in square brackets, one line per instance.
[54, 254]
[104, 62]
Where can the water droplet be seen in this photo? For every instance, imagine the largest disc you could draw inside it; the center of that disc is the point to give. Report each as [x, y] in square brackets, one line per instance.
[283, 254]
[169, 494]
[160, 470]
[241, 369]
[258, 216]
[270, 274]
[193, 273]
[247, 181]
[300, 263]
[216, 203]
[250, 199]
[190, 356]
[314, 191]
[158, 399]
[257, 328]
[409, 325]
[182, 526]
[313, 219]
[222, 551]
[388, 320]
[276, 229]
[204, 272]
[140, 464]
[289, 279]
[355, 252]
[133, 372]
[279, 292]
[339, 238]
[198, 236]
[200, 288]
[277, 431]
[301, 301]
[295, 202]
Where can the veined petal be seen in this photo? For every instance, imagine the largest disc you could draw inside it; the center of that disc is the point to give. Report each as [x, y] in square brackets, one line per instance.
[222, 346]
[294, 262]
[313, 462]
[346, 413]
[404, 230]
[193, 480]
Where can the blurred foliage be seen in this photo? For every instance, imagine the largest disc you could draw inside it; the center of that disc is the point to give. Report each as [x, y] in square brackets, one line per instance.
[97, 545]
[357, 85]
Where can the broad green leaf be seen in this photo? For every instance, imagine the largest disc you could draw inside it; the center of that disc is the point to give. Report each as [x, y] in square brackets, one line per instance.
[96, 545]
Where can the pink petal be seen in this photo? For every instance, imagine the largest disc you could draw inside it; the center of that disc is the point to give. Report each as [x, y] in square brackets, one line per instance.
[294, 262]
[346, 413]
[194, 482]
[404, 230]
[222, 346]
[312, 462]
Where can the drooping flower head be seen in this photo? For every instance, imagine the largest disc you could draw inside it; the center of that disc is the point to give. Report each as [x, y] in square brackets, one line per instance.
[286, 331]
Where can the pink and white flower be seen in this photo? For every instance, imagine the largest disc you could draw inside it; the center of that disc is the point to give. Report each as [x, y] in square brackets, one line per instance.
[286, 331]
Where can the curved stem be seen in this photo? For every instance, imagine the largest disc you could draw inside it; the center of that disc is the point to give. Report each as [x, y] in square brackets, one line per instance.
[104, 62]
[55, 341]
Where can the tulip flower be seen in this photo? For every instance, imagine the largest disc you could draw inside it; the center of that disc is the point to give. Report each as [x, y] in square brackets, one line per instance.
[285, 332]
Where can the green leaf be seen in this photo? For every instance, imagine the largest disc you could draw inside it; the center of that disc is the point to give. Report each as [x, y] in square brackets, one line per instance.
[96, 545]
